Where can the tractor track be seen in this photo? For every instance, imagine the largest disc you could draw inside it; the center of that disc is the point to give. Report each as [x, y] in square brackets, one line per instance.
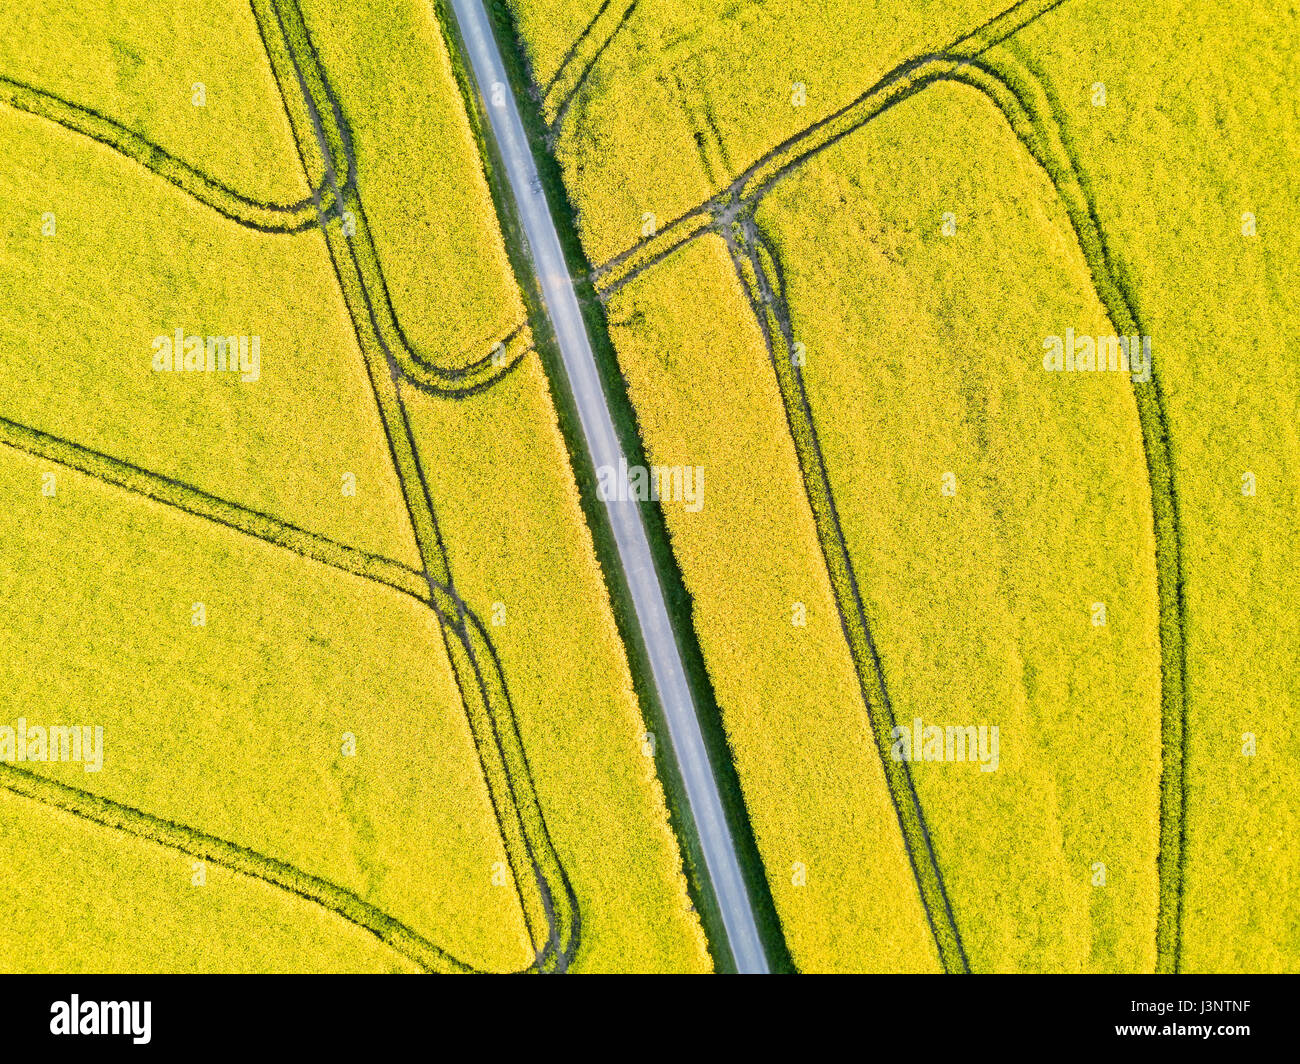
[451, 610]
[455, 379]
[116, 816]
[759, 272]
[571, 95]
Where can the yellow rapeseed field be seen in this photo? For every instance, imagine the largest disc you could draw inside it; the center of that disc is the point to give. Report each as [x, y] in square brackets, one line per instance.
[420, 176]
[975, 322]
[238, 729]
[179, 75]
[78, 362]
[655, 80]
[244, 545]
[524, 562]
[1202, 217]
[236, 924]
[1096, 560]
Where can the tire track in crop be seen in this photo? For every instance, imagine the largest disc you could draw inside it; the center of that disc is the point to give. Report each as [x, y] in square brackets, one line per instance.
[1026, 103]
[517, 831]
[529, 848]
[251, 213]
[453, 380]
[206, 507]
[474, 659]
[901, 82]
[297, 71]
[748, 187]
[280, 874]
[313, 108]
[628, 265]
[450, 609]
[571, 54]
[571, 93]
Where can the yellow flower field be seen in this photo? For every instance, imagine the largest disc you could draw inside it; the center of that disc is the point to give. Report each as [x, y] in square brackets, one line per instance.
[940, 356]
[294, 698]
[903, 220]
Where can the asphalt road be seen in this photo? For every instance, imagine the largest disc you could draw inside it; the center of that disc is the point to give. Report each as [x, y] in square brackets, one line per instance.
[602, 443]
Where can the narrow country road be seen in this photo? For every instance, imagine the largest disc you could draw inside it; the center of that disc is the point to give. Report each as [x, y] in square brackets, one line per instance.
[625, 517]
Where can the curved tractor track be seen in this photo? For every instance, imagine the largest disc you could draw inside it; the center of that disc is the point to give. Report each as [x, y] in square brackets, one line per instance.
[453, 379]
[591, 44]
[1024, 100]
[760, 274]
[547, 899]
